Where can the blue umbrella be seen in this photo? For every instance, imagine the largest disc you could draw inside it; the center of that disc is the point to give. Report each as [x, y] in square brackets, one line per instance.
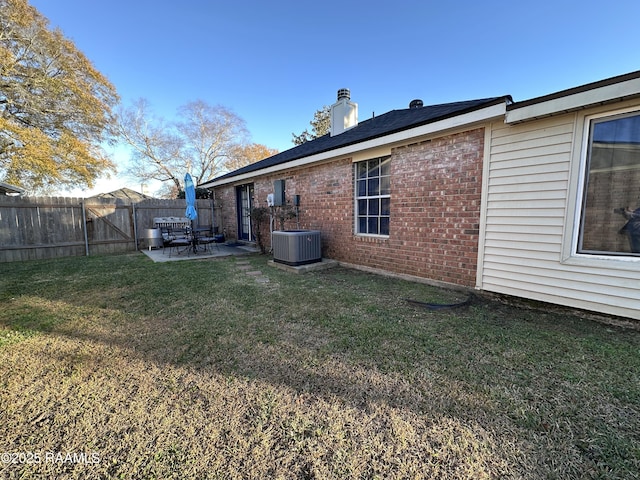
[190, 196]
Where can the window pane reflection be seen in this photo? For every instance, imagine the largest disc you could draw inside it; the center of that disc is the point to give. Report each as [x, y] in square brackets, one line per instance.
[610, 217]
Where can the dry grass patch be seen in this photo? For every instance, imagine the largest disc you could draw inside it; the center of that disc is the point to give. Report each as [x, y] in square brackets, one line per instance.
[193, 370]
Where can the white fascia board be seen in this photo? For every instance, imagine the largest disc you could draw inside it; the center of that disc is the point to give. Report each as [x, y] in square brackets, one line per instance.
[576, 101]
[458, 121]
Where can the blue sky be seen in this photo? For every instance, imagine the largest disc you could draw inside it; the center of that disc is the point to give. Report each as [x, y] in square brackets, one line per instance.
[275, 63]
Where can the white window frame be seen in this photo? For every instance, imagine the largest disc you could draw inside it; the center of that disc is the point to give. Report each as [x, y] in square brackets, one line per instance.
[570, 254]
[356, 222]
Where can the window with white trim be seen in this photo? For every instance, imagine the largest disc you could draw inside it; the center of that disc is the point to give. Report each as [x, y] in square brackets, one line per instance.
[610, 213]
[373, 196]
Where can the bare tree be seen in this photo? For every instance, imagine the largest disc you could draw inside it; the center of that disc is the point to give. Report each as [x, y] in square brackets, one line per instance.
[210, 136]
[202, 141]
[156, 151]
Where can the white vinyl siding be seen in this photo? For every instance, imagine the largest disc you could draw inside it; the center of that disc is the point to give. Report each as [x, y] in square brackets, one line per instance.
[526, 224]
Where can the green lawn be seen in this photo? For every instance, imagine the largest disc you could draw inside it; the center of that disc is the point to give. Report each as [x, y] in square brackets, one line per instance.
[116, 367]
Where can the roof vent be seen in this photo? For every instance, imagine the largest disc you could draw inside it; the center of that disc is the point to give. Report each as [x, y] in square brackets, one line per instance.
[344, 93]
[416, 103]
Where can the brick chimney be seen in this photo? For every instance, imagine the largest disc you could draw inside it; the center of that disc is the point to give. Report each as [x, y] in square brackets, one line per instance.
[344, 113]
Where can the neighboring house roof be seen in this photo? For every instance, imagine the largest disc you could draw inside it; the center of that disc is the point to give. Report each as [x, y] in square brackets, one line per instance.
[123, 194]
[385, 124]
[7, 189]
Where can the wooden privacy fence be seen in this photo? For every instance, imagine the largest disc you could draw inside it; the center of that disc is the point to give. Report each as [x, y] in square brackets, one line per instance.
[49, 227]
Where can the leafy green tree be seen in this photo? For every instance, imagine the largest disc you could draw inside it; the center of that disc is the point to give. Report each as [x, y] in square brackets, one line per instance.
[320, 125]
[201, 193]
[55, 106]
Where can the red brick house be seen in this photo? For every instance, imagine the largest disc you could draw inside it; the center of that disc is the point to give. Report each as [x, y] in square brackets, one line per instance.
[537, 199]
[399, 192]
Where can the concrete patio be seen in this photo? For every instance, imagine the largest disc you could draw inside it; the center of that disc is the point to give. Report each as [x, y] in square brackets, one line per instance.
[214, 250]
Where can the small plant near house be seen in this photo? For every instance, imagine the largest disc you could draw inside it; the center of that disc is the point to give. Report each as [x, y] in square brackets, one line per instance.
[262, 216]
[259, 217]
[283, 213]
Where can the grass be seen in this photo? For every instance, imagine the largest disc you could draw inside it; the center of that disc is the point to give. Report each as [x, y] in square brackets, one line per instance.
[195, 370]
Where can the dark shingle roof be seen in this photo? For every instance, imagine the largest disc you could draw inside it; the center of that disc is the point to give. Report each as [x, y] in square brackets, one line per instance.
[385, 124]
[124, 194]
[7, 189]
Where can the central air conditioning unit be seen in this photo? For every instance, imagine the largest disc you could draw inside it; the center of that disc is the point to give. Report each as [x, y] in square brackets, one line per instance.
[296, 247]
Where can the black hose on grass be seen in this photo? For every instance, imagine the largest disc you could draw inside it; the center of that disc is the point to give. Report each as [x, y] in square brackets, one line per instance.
[440, 306]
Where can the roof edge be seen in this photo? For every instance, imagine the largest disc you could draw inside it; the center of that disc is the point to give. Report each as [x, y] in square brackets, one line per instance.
[7, 188]
[572, 91]
[492, 109]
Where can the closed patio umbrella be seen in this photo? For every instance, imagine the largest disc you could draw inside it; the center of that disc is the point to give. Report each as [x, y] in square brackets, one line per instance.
[191, 213]
[190, 196]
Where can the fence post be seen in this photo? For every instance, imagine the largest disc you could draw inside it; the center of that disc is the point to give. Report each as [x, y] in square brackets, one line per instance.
[135, 226]
[84, 227]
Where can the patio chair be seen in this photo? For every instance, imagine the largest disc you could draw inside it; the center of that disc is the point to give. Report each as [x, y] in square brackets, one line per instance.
[167, 236]
[205, 237]
[177, 240]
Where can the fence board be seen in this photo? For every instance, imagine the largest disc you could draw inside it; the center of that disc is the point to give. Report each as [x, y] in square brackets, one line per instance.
[49, 227]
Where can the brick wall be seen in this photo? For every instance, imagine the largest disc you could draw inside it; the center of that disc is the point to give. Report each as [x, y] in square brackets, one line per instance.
[226, 212]
[436, 190]
[435, 209]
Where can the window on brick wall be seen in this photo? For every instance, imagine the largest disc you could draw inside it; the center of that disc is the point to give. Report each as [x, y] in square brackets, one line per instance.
[610, 214]
[373, 196]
